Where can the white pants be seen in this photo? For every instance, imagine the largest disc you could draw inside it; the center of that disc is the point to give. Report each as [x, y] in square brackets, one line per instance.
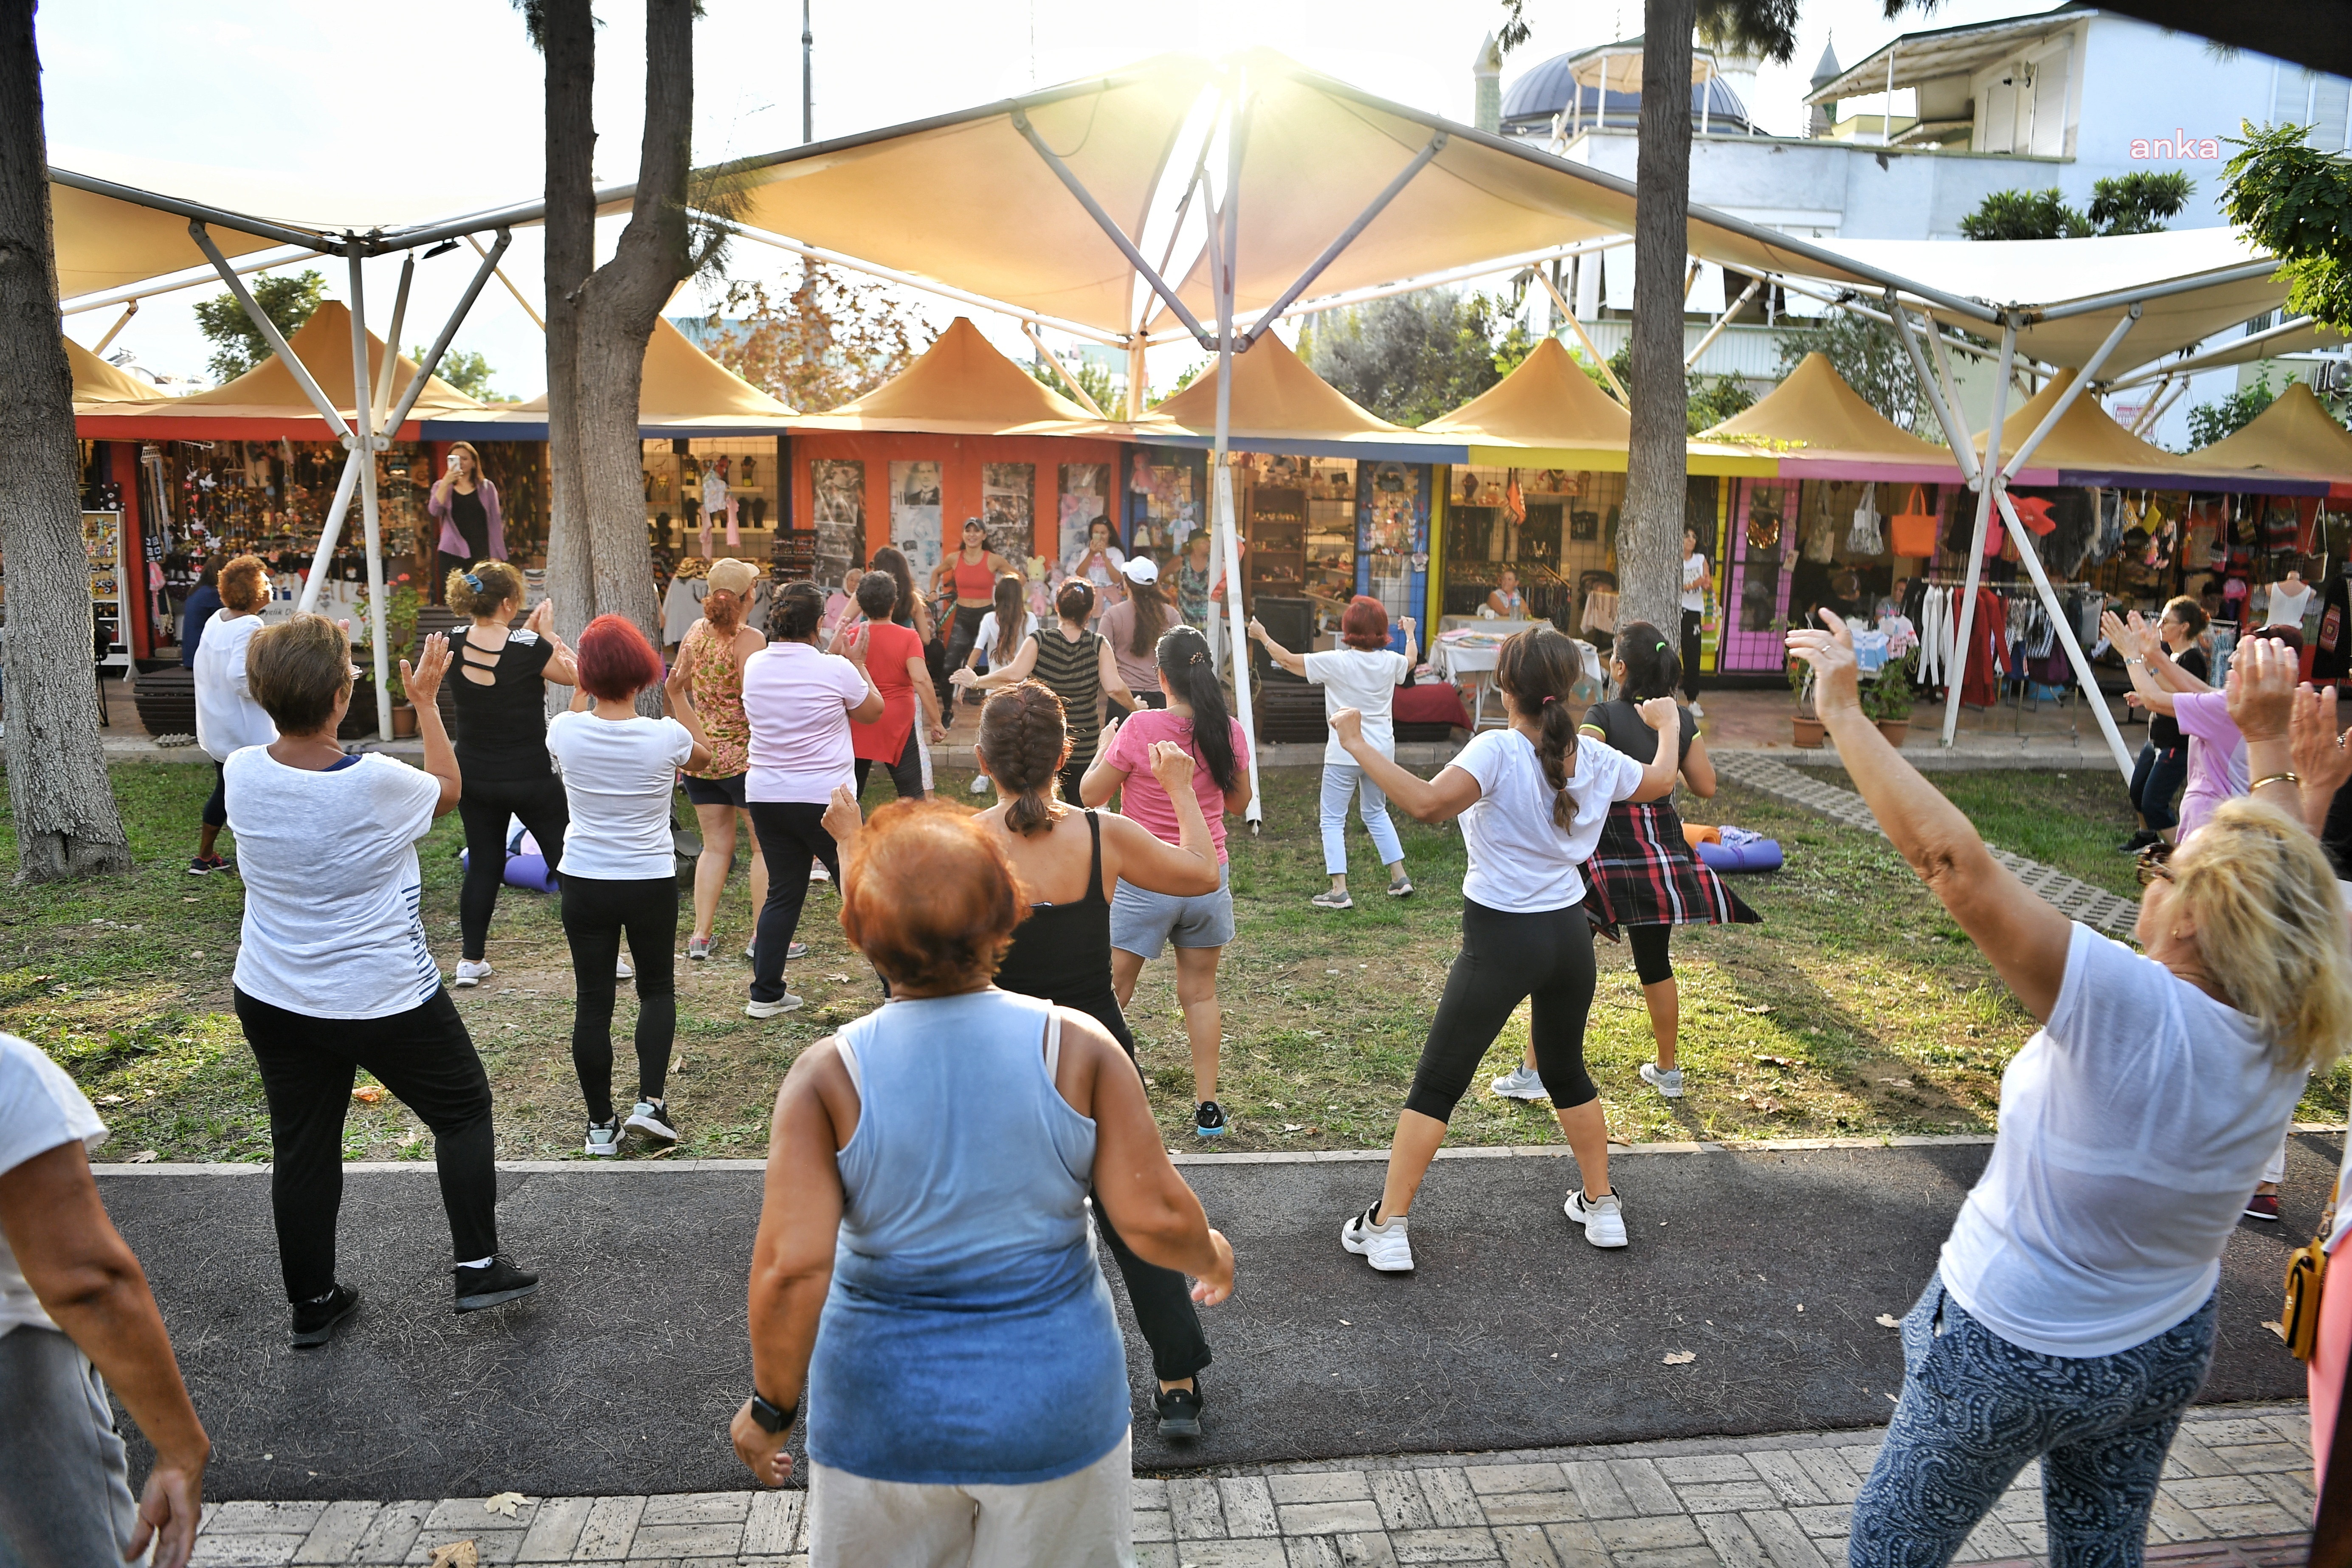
[1086, 1520]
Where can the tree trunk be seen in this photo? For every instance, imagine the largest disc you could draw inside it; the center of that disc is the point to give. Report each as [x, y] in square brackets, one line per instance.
[568, 38]
[1650, 537]
[618, 304]
[67, 824]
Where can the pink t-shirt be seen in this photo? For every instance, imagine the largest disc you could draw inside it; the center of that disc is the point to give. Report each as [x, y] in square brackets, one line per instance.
[2216, 756]
[1143, 801]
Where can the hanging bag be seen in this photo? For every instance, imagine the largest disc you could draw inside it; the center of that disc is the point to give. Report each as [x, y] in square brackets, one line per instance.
[1866, 537]
[2307, 1274]
[1913, 527]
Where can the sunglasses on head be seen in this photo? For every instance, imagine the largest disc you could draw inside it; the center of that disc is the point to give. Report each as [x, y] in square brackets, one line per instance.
[2155, 863]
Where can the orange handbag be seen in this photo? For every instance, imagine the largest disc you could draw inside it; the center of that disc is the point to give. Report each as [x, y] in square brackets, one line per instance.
[1912, 531]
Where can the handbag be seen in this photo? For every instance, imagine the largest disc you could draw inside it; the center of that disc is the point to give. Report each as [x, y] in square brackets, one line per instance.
[1865, 537]
[1913, 530]
[1763, 527]
[2306, 1271]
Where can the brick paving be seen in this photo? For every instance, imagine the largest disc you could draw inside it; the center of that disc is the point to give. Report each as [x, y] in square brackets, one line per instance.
[2237, 1493]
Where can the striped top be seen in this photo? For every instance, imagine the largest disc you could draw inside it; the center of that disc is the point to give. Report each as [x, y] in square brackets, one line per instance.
[1073, 671]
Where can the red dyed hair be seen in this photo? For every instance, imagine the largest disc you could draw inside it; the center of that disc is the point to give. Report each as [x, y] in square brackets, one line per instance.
[615, 661]
[929, 896]
[1364, 623]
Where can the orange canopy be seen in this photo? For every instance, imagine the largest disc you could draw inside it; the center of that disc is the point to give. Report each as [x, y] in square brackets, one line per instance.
[323, 345]
[961, 386]
[1547, 402]
[2089, 445]
[2296, 435]
[1813, 412]
[1280, 404]
[95, 381]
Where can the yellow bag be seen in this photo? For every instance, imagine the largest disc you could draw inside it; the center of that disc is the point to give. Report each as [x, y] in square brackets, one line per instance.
[2306, 1272]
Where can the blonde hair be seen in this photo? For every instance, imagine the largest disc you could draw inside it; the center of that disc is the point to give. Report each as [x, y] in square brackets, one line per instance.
[2270, 926]
[480, 589]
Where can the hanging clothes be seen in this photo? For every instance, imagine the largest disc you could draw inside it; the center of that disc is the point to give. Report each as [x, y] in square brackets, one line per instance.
[1986, 661]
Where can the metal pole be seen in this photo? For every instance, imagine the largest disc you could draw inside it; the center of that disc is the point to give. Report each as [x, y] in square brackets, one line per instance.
[432, 361]
[1982, 481]
[277, 340]
[808, 101]
[1346, 236]
[1581, 336]
[364, 456]
[535, 318]
[2065, 400]
[1721, 322]
[331, 535]
[392, 343]
[2030, 555]
[1220, 476]
[119, 322]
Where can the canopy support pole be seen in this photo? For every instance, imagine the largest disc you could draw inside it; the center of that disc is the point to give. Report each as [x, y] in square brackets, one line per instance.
[364, 456]
[119, 322]
[331, 533]
[1085, 399]
[2075, 389]
[1116, 235]
[1982, 482]
[2030, 554]
[535, 318]
[1944, 364]
[1583, 337]
[432, 361]
[2148, 409]
[1346, 238]
[275, 339]
[1222, 476]
[1722, 321]
[392, 339]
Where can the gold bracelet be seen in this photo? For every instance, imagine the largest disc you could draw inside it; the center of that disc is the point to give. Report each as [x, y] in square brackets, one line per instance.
[2295, 779]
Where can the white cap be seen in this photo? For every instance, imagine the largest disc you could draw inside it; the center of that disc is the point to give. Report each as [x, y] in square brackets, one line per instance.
[1140, 569]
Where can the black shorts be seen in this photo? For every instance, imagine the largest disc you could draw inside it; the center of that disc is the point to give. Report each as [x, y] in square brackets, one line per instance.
[728, 791]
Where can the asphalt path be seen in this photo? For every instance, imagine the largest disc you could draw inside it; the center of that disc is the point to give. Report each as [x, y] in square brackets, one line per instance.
[1770, 1269]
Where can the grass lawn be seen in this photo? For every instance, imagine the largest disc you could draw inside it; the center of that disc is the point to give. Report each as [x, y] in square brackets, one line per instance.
[1855, 1009]
[2071, 818]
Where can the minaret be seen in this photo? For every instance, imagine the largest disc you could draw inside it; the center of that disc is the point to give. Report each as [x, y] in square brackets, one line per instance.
[1486, 88]
[1825, 114]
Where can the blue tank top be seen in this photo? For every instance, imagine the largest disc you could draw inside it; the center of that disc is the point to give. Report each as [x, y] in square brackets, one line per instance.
[968, 1338]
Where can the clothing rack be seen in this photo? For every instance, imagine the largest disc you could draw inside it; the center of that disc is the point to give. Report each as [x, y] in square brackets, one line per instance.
[2038, 636]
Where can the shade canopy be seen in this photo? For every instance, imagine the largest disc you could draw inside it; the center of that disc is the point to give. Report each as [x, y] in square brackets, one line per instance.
[95, 381]
[2087, 446]
[1814, 414]
[683, 392]
[961, 386]
[2296, 435]
[1547, 402]
[1280, 405]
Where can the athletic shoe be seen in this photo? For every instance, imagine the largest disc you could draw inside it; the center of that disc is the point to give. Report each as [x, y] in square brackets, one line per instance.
[1522, 1082]
[1384, 1247]
[2138, 841]
[314, 1321]
[1667, 1081]
[492, 1284]
[698, 949]
[1179, 1411]
[621, 967]
[980, 786]
[1401, 888]
[785, 1003]
[817, 873]
[793, 954]
[1209, 1120]
[2262, 1205]
[1333, 898]
[604, 1138]
[205, 865]
[473, 972]
[1697, 711]
[1603, 1219]
[653, 1118]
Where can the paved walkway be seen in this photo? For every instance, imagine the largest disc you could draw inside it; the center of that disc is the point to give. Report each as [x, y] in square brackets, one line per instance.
[2238, 1474]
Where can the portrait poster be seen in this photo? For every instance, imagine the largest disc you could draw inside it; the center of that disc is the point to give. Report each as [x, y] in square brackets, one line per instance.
[1008, 504]
[837, 505]
[1085, 496]
[915, 515]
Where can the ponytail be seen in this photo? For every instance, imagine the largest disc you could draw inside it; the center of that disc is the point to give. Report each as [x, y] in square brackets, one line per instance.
[1185, 672]
[1023, 741]
[1653, 668]
[1537, 670]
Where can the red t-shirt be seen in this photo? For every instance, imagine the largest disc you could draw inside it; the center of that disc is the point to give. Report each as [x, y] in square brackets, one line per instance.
[1143, 801]
[888, 646]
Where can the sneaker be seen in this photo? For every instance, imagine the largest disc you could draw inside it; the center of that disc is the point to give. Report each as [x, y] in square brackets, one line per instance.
[1697, 711]
[1603, 1219]
[653, 1118]
[2138, 842]
[1401, 888]
[1384, 1247]
[1667, 1081]
[492, 1284]
[1179, 1411]
[314, 1321]
[621, 967]
[2262, 1205]
[604, 1138]
[980, 786]
[817, 873]
[793, 954]
[1522, 1082]
[205, 865]
[758, 1009]
[1209, 1120]
[698, 949]
[473, 972]
[1333, 898]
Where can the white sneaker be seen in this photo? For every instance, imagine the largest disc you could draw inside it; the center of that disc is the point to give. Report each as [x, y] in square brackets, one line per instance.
[604, 1138]
[621, 967]
[473, 972]
[1333, 898]
[782, 1005]
[817, 873]
[1522, 1082]
[1697, 711]
[1603, 1219]
[979, 784]
[1667, 1081]
[1384, 1247]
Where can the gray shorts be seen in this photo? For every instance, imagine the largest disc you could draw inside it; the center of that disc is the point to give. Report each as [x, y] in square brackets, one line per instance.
[67, 1495]
[1143, 923]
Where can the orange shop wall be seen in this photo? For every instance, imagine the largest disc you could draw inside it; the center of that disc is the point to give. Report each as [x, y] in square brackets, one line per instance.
[960, 458]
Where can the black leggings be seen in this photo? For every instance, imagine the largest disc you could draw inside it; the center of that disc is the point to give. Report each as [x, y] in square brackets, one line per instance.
[215, 812]
[963, 632]
[790, 833]
[1505, 959]
[906, 773]
[427, 1060]
[1691, 648]
[596, 913]
[1653, 959]
[484, 810]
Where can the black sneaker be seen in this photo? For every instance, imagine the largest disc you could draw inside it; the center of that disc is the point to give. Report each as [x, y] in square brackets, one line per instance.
[314, 1321]
[1179, 1411]
[1209, 1120]
[2138, 841]
[653, 1118]
[492, 1284]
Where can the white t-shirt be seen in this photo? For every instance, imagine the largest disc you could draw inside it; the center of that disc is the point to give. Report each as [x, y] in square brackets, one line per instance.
[1364, 679]
[617, 778]
[984, 640]
[329, 862]
[1693, 581]
[2132, 1127]
[226, 715]
[1520, 862]
[798, 702]
[39, 1109]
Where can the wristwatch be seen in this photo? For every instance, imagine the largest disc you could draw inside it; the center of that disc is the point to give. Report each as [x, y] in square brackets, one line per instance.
[771, 1419]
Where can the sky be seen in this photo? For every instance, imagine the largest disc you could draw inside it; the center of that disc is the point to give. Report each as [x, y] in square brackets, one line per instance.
[441, 99]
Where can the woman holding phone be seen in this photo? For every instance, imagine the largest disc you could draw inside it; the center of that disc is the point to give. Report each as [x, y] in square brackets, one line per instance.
[468, 506]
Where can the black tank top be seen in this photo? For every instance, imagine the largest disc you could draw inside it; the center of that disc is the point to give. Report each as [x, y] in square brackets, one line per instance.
[1061, 953]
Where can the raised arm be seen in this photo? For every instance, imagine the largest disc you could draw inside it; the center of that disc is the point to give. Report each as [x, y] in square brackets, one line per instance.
[2023, 936]
[1442, 799]
[1294, 662]
[1103, 777]
[561, 667]
[2263, 698]
[1023, 663]
[1411, 642]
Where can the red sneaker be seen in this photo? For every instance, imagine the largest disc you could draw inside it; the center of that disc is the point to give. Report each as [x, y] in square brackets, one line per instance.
[2262, 1205]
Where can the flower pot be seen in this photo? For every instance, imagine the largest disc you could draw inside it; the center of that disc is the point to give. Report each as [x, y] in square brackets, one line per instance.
[1897, 731]
[1807, 731]
[403, 723]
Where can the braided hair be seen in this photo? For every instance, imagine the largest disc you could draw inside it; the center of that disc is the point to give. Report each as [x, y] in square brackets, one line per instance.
[1023, 741]
[1537, 670]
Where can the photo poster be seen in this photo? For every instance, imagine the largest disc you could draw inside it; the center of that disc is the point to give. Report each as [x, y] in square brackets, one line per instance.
[915, 515]
[1008, 505]
[837, 509]
[1085, 496]
[1170, 513]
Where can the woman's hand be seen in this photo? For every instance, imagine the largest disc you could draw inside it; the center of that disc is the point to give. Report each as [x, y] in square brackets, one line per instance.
[1347, 723]
[934, 733]
[1660, 714]
[422, 682]
[1257, 632]
[1172, 764]
[962, 675]
[842, 818]
[853, 648]
[2261, 689]
[2323, 754]
[762, 1452]
[681, 671]
[1830, 651]
[1209, 1289]
[541, 622]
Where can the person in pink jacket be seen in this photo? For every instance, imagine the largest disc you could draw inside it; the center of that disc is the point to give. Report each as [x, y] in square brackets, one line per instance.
[467, 505]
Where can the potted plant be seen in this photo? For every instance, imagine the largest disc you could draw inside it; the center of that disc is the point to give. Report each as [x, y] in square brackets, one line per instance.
[402, 603]
[1887, 702]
